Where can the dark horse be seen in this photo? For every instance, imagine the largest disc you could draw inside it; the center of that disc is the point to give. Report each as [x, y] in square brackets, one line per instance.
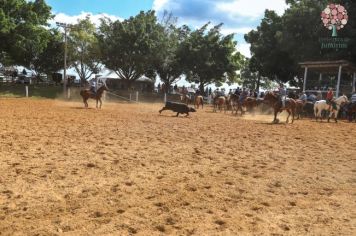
[351, 111]
[86, 94]
[276, 103]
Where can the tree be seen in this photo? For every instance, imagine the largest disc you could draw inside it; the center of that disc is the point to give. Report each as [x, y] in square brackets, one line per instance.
[208, 57]
[84, 49]
[128, 47]
[166, 63]
[281, 42]
[50, 59]
[251, 78]
[267, 56]
[22, 29]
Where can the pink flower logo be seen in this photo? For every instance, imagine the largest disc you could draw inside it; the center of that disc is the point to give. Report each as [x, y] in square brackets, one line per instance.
[334, 15]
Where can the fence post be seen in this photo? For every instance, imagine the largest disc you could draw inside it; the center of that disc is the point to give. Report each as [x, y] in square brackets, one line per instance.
[136, 96]
[130, 96]
[68, 93]
[165, 97]
[26, 88]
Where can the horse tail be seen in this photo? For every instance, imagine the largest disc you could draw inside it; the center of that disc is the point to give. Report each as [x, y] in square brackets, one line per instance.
[82, 93]
[202, 102]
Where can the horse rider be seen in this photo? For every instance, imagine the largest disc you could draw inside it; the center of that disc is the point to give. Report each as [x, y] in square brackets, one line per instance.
[330, 99]
[243, 96]
[303, 97]
[93, 86]
[353, 98]
[237, 91]
[282, 95]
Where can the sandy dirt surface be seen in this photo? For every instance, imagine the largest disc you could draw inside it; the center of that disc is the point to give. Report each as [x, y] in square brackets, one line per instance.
[127, 170]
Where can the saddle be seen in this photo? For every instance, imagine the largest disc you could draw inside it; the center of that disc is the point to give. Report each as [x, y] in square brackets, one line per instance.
[332, 104]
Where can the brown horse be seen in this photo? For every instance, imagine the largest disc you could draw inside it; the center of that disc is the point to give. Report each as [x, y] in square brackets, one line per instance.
[250, 103]
[234, 102]
[199, 101]
[220, 103]
[351, 111]
[86, 94]
[299, 108]
[277, 105]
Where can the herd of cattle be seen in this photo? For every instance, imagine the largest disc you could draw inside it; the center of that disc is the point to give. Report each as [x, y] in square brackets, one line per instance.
[233, 103]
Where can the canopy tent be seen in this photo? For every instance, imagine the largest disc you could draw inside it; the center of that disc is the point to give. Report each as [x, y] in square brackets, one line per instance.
[329, 67]
[113, 75]
[114, 81]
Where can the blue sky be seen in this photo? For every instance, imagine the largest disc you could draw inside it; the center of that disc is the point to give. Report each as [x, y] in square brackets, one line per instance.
[121, 8]
[238, 16]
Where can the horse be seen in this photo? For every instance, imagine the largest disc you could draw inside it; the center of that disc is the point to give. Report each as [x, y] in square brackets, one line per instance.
[234, 102]
[351, 111]
[185, 98]
[277, 106]
[199, 101]
[299, 108]
[86, 94]
[219, 102]
[250, 103]
[321, 105]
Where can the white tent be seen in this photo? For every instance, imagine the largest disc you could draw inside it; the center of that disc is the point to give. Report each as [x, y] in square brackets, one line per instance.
[114, 76]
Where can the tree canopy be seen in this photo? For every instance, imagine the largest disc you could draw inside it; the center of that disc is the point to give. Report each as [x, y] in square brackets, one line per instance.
[280, 42]
[209, 57]
[22, 31]
[84, 50]
[128, 47]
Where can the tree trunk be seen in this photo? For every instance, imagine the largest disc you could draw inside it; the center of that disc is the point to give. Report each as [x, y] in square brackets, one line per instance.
[128, 84]
[167, 86]
[258, 83]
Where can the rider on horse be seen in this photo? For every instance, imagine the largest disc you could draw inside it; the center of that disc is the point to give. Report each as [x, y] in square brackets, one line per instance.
[282, 95]
[353, 97]
[93, 86]
[330, 99]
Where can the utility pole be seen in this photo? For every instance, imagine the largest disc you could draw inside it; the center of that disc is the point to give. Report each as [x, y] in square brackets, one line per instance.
[65, 27]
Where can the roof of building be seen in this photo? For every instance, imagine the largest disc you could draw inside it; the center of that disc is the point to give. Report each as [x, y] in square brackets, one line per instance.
[329, 66]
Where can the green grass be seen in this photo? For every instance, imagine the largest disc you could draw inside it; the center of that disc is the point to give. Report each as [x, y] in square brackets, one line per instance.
[35, 91]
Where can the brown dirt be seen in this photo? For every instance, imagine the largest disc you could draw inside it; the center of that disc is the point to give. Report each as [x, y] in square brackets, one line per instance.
[127, 170]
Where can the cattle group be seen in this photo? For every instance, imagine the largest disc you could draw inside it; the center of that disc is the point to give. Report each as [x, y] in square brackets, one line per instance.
[239, 104]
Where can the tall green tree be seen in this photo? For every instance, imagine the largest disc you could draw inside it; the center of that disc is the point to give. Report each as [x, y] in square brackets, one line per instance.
[281, 42]
[267, 55]
[49, 60]
[166, 63]
[22, 29]
[84, 50]
[209, 57]
[129, 47]
[251, 78]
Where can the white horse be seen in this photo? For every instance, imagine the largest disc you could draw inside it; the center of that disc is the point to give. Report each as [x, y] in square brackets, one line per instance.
[321, 105]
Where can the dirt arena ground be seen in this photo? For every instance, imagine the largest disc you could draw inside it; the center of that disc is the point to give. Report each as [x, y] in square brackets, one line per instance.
[127, 170]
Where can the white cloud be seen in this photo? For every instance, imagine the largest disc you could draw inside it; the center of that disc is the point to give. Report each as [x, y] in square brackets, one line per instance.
[244, 49]
[159, 4]
[242, 30]
[251, 8]
[95, 18]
